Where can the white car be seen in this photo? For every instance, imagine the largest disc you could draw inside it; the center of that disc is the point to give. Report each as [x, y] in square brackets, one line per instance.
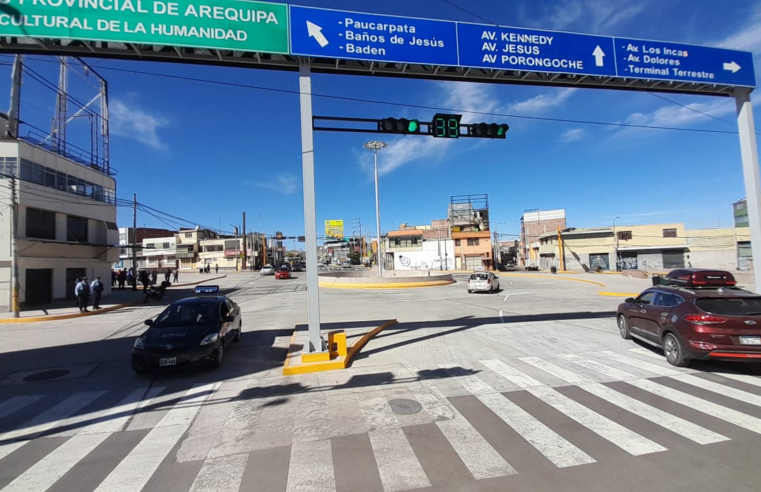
[267, 270]
[483, 282]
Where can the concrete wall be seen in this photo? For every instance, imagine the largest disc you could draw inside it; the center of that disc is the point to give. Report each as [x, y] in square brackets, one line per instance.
[427, 258]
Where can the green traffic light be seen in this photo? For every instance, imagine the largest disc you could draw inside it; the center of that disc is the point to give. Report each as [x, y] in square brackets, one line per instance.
[501, 131]
[413, 126]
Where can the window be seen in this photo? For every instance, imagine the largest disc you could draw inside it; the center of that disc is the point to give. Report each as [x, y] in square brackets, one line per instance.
[40, 224]
[669, 232]
[624, 235]
[112, 226]
[150, 245]
[165, 246]
[646, 298]
[76, 229]
[456, 242]
[189, 235]
[667, 300]
[473, 242]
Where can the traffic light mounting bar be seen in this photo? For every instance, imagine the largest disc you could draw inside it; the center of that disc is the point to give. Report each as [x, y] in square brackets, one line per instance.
[466, 130]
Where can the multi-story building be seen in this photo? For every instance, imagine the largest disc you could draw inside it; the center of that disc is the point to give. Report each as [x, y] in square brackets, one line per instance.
[654, 247]
[227, 253]
[469, 224]
[419, 248]
[534, 224]
[66, 222]
[129, 240]
[188, 246]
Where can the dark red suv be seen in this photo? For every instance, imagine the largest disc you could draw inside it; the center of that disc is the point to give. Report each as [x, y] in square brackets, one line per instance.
[696, 314]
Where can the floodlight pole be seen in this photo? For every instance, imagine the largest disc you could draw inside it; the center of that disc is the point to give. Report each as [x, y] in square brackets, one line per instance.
[749, 153]
[375, 146]
[316, 343]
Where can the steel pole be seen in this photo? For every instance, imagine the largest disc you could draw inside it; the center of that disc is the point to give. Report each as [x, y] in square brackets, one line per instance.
[749, 152]
[316, 343]
[377, 216]
[14, 251]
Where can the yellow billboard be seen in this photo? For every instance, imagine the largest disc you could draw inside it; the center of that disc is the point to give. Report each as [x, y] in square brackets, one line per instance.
[334, 228]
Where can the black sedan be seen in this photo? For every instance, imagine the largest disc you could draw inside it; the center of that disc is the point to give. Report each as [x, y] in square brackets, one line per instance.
[191, 331]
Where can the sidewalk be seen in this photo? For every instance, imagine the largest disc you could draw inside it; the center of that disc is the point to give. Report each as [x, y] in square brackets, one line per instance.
[64, 308]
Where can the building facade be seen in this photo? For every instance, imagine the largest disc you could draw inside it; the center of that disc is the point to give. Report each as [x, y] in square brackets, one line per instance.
[128, 241]
[535, 224]
[66, 223]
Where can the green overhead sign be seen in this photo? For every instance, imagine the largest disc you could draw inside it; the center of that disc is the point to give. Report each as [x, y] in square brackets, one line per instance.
[217, 24]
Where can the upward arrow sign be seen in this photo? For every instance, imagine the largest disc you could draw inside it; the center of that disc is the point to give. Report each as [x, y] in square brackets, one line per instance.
[599, 54]
[315, 32]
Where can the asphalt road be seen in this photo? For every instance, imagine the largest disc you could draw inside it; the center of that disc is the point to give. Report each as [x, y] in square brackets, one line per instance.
[527, 389]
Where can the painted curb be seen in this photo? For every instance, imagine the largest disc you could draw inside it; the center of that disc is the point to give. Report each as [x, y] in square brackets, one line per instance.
[553, 277]
[405, 285]
[339, 363]
[618, 294]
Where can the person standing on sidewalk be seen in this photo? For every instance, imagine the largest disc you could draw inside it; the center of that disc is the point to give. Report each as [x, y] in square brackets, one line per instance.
[97, 289]
[121, 277]
[216, 268]
[82, 290]
[176, 275]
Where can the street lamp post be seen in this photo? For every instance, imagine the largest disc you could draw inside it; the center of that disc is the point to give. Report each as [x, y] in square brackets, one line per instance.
[615, 248]
[375, 146]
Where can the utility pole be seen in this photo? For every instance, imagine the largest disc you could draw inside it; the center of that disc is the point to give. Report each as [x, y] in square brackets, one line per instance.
[14, 251]
[134, 242]
[245, 244]
[15, 106]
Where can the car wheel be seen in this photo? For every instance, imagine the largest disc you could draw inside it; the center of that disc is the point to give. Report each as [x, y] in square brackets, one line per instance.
[623, 327]
[674, 352]
[236, 339]
[470, 291]
[219, 357]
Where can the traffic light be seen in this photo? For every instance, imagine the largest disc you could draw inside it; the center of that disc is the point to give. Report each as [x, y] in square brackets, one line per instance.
[487, 130]
[399, 125]
[446, 125]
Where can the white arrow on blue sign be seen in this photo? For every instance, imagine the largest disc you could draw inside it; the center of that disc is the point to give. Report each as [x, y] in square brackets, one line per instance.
[373, 37]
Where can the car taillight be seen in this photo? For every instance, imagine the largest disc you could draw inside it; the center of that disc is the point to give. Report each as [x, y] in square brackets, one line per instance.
[488, 281]
[697, 282]
[703, 319]
[731, 282]
[469, 280]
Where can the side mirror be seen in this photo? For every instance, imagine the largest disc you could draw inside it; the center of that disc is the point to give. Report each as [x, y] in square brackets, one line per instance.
[149, 322]
[629, 300]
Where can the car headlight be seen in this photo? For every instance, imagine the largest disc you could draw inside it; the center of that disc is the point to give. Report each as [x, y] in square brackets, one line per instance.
[139, 343]
[211, 338]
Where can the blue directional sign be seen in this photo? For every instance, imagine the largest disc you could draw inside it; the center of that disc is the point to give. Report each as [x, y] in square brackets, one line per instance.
[530, 50]
[359, 36]
[669, 61]
[351, 35]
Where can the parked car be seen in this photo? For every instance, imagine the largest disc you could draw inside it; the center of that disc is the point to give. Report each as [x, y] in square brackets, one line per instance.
[267, 270]
[191, 331]
[695, 314]
[283, 273]
[483, 282]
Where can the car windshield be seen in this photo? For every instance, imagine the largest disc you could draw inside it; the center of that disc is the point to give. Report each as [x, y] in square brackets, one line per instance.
[731, 306]
[480, 276]
[196, 313]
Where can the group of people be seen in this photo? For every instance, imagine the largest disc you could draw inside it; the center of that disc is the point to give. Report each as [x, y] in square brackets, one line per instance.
[125, 276]
[207, 269]
[83, 289]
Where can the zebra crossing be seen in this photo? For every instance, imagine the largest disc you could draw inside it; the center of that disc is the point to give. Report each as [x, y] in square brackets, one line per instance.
[215, 428]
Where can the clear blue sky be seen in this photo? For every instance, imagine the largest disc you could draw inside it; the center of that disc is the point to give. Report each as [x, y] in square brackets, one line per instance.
[208, 152]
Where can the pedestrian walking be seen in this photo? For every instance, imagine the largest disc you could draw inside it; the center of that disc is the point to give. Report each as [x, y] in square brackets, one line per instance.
[176, 275]
[97, 289]
[216, 267]
[113, 278]
[154, 276]
[144, 279]
[130, 278]
[168, 274]
[82, 290]
[121, 277]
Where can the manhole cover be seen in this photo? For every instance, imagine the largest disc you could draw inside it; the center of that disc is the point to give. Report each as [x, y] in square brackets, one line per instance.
[404, 406]
[46, 375]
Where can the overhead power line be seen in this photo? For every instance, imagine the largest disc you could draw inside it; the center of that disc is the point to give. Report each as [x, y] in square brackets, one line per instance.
[409, 105]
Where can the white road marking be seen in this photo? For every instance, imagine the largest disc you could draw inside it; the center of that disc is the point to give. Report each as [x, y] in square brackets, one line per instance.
[629, 441]
[115, 418]
[666, 420]
[311, 467]
[727, 391]
[52, 467]
[17, 403]
[134, 471]
[221, 474]
[714, 410]
[640, 364]
[481, 459]
[743, 378]
[398, 466]
[47, 420]
[646, 352]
